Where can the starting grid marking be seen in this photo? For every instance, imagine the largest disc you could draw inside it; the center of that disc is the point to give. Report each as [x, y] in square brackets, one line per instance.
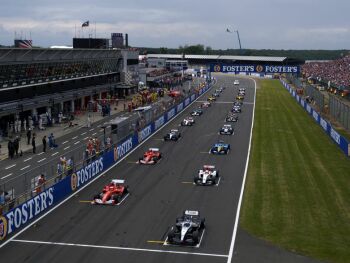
[118, 248]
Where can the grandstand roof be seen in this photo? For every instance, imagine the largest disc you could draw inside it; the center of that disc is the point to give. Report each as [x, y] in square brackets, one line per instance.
[227, 58]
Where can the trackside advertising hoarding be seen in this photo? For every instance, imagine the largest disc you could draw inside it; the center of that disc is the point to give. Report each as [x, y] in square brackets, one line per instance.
[266, 69]
[25, 213]
[342, 143]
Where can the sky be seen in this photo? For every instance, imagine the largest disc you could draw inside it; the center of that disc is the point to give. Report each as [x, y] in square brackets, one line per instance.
[262, 24]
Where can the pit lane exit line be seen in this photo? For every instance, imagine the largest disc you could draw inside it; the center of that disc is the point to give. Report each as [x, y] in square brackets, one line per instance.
[118, 248]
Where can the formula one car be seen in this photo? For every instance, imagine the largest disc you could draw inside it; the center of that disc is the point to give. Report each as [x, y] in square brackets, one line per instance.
[187, 230]
[226, 130]
[152, 156]
[220, 148]
[173, 135]
[236, 109]
[112, 194]
[237, 103]
[241, 89]
[216, 94]
[236, 82]
[197, 112]
[205, 104]
[241, 93]
[231, 118]
[207, 176]
[189, 121]
[211, 98]
[239, 97]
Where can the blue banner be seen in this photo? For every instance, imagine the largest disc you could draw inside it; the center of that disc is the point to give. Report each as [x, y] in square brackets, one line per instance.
[326, 126]
[249, 68]
[34, 207]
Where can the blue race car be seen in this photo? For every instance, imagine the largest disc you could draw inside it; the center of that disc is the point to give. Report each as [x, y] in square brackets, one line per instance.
[220, 148]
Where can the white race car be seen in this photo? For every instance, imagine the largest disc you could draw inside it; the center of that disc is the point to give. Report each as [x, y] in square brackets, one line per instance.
[236, 82]
[189, 121]
[208, 175]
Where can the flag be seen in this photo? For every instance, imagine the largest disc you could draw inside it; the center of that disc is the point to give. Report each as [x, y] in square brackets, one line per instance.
[85, 24]
[228, 30]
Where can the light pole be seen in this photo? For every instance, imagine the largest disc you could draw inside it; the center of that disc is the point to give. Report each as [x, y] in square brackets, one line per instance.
[239, 39]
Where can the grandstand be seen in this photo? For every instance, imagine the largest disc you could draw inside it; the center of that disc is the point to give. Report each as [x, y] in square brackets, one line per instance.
[40, 80]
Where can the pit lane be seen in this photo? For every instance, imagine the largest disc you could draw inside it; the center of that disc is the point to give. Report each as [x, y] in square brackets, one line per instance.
[80, 232]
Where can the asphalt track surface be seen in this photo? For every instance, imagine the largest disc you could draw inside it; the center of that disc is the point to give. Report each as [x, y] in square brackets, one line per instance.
[134, 231]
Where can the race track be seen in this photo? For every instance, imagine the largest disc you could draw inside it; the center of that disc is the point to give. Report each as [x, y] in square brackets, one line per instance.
[132, 232]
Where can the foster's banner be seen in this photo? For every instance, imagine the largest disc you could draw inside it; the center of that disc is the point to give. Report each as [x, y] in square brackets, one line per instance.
[267, 69]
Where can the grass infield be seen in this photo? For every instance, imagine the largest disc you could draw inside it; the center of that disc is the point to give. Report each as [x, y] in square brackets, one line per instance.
[297, 194]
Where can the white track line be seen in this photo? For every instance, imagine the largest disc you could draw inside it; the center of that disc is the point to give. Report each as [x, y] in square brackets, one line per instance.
[40, 153]
[6, 176]
[64, 142]
[86, 138]
[76, 142]
[66, 148]
[26, 160]
[25, 167]
[230, 254]
[94, 133]
[41, 160]
[74, 137]
[97, 177]
[8, 167]
[91, 129]
[120, 248]
[54, 154]
[83, 133]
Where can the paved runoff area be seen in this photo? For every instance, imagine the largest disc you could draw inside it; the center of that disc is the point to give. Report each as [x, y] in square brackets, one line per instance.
[135, 231]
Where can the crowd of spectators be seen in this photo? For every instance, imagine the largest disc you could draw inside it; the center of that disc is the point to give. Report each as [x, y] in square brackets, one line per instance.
[336, 71]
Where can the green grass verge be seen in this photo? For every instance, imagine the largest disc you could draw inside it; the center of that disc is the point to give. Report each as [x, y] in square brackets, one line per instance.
[297, 193]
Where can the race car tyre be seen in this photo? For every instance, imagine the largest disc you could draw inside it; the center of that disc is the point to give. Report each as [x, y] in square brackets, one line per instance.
[116, 198]
[195, 236]
[98, 196]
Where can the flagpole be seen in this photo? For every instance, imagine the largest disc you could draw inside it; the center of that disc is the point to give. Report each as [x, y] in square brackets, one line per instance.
[75, 30]
[95, 29]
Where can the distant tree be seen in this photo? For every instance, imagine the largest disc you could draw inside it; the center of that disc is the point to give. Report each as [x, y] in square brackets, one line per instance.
[163, 50]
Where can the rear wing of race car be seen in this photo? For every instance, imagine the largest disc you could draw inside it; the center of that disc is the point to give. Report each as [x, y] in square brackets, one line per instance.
[154, 149]
[208, 166]
[118, 181]
[173, 130]
[191, 213]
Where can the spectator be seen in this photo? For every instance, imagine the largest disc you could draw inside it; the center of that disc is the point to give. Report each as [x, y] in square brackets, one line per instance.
[33, 143]
[44, 143]
[70, 165]
[16, 145]
[40, 184]
[29, 135]
[52, 141]
[59, 171]
[11, 148]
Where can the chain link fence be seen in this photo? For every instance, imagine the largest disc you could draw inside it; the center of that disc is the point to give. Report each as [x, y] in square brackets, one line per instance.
[329, 105]
[26, 185]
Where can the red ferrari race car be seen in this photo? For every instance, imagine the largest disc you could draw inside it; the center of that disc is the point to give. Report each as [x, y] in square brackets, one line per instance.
[112, 194]
[152, 156]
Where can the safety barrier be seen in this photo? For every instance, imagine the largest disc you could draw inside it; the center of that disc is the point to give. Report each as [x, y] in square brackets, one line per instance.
[342, 143]
[27, 212]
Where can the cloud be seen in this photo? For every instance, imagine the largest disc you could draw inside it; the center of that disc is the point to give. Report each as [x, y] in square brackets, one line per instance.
[262, 24]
